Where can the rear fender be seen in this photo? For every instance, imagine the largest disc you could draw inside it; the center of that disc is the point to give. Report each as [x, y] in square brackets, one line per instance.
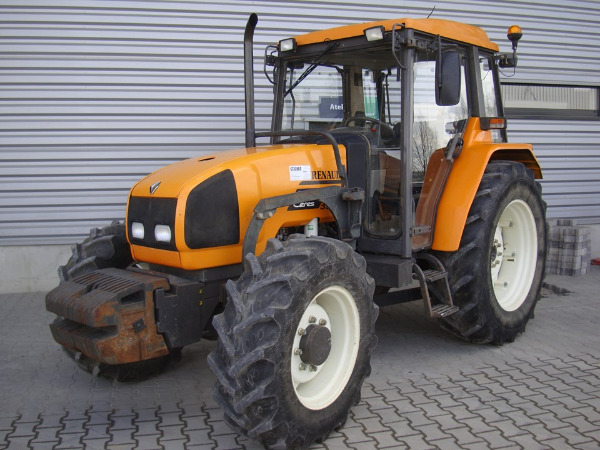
[465, 177]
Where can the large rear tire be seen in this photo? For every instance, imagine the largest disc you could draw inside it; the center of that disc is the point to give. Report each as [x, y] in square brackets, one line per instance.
[103, 248]
[295, 341]
[497, 273]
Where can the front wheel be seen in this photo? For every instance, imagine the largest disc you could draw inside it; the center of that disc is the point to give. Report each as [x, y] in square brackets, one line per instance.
[496, 275]
[295, 341]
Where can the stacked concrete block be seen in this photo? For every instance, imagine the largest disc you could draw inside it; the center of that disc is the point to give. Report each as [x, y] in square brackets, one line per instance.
[569, 249]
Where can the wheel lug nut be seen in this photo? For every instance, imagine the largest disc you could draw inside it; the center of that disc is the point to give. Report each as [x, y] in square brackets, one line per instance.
[301, 331]
[312, 368]
[297, 351]
[312, 319]
[302, 366]
[322, 322]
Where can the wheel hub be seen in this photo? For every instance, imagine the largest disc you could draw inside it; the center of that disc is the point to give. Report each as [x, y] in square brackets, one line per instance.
[315, 345]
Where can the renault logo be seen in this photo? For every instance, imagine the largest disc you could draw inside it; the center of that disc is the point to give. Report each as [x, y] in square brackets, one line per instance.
[154, 187]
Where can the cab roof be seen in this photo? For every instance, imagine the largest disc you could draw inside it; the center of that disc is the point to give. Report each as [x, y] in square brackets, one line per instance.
[456, 31]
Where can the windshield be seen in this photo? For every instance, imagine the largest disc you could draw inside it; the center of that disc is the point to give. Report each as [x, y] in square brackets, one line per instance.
[343, 92]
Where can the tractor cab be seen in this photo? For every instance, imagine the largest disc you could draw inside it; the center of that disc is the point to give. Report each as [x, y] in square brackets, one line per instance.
[393, 94]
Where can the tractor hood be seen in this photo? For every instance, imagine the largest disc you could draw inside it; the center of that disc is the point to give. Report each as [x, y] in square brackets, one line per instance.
[205, 203]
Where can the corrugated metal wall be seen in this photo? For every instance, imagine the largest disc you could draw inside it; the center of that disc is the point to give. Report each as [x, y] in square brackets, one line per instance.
[96, 94]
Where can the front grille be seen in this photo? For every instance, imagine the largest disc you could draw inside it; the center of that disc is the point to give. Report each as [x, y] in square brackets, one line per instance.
[151, 212]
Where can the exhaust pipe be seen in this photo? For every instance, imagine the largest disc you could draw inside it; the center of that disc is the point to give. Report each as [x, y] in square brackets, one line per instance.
[249, 80]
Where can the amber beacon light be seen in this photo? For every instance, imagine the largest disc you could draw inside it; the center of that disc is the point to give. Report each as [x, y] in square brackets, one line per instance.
[514, 34]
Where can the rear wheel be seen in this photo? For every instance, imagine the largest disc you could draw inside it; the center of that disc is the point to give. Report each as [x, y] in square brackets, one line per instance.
[108, 247]
[295, 341]
[496, 275]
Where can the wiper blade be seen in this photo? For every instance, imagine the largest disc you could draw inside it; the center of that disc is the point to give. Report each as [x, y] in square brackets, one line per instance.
[312, 67]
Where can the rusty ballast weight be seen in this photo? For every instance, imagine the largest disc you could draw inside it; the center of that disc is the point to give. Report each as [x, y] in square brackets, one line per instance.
[108, 315]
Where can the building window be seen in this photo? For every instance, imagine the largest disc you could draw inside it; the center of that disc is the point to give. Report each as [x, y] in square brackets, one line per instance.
[548, 101]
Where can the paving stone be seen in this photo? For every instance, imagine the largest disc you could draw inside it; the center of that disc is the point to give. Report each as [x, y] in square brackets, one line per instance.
[44, 445]
[432, 432]
[362, 411]
[383, 439]
[431, 390]
[99, 444]
[71, 440]
[146, 414]
[74, 426]
[7, 423]
[417, 419]
[447, 421]
[123, 422]
[18, 442]
[372, 425]
[97, 431]
[356, 435]
[581, 424]
[146, 428]
[98, 418]
[460, 412]
[226, 441]
[388, 416]
[149, 441]
[172, 432]
[540, 431]
[571, 435]
[555, 443]
[375, 403]
[121, 437]
[219, 428]
[402, 406]
[49, 421]
[24, 429]
[182, 444]
[446, 444]
[590, 413]
[495, 439]
[415, 441]
[170, 418]
[197, 437]
[463, 436]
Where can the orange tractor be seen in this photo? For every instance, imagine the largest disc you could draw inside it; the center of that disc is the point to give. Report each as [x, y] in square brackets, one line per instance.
[386, 177]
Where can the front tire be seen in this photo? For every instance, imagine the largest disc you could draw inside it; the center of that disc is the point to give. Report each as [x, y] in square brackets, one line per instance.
[497, 273]
[295, 341]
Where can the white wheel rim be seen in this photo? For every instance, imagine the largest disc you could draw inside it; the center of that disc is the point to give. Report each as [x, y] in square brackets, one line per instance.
[319, 386]
[514, 255]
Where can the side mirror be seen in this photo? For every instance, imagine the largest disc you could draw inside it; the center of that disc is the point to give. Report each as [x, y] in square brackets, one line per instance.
[448, 79]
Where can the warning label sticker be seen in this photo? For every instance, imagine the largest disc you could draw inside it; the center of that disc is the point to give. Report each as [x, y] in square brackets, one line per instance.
[299, 173]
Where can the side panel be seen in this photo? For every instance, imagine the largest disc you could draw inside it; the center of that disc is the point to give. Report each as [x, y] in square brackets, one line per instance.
[464, 180]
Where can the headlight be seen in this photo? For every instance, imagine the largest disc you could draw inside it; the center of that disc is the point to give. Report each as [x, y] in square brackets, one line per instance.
[137, 230]
[375, 33]
[287, 45]
[162, 233]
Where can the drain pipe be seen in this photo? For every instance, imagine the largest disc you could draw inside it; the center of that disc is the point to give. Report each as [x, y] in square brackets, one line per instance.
[249, 80]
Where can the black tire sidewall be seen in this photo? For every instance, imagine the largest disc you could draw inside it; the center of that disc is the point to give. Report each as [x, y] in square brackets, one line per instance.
[511, 320]
[326, 277]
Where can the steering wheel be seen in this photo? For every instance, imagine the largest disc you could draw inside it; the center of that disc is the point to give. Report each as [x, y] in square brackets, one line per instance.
[386, 129]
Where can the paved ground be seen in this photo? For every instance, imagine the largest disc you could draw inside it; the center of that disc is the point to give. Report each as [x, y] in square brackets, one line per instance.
[427, 390]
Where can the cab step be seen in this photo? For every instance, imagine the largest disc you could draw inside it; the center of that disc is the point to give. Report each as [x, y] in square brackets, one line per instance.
[435, 280]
